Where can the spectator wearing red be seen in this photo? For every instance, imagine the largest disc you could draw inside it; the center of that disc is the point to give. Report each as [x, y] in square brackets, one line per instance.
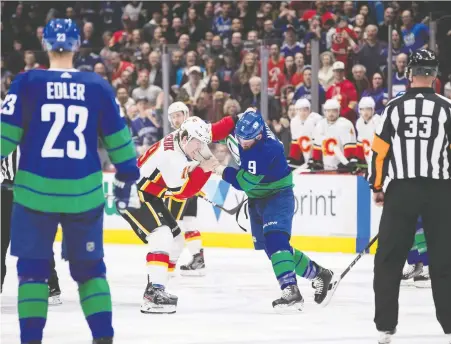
[290, 67]
[121, 36]
[298, 76]
[343, 41]
[321, 11]
[343, 91]
[120, 66]
[276, 67]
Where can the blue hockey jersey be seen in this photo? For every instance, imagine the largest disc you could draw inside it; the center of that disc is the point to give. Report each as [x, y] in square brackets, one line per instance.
[56, 117]
[263, 169]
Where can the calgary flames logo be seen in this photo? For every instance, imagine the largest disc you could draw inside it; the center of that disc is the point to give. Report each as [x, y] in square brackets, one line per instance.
[143, 158]
[305, 144]
[328, 146]
[366, 147]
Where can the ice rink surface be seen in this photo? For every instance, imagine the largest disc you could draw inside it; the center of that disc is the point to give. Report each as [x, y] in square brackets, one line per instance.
[232, 304]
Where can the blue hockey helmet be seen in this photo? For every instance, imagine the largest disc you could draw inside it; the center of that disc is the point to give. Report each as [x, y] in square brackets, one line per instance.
[61, 35]
[250, 125]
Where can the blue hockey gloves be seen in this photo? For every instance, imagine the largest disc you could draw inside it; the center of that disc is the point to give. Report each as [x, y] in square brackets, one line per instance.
[126, 195]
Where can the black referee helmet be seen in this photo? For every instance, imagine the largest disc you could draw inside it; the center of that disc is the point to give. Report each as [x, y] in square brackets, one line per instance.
[422, 62]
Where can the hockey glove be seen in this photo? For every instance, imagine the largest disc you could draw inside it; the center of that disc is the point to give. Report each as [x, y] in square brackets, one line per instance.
[315, 165]
[126, 195]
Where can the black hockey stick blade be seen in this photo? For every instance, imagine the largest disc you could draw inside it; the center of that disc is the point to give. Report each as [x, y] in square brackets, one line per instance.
[232, 211]
[333, 285]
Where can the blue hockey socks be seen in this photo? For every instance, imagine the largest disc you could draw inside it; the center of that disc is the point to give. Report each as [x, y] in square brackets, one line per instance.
[304, 266]
[95, 297]
[33, 297]
[279, 249]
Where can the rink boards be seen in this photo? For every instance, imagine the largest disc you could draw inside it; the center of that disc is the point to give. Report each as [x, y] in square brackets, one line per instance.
[334, 213]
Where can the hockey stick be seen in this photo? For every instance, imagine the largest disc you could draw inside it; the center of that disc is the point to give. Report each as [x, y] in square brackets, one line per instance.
[232, 211]
[334, 284]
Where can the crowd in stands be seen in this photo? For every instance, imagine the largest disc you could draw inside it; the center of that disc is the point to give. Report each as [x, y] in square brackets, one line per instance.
[214, 51]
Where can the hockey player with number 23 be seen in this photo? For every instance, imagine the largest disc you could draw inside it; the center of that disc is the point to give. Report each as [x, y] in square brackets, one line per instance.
[268, 182]
[56, 116]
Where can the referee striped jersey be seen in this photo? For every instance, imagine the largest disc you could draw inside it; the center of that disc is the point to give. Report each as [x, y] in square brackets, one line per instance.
[9, 167]
[413, 139]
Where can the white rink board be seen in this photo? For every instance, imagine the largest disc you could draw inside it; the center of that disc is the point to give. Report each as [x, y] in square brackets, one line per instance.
[326, 206]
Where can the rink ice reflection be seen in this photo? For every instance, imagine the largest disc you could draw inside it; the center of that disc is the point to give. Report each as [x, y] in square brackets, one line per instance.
[232, 304]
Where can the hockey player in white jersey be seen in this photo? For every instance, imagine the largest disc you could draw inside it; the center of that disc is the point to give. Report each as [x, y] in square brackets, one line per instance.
[185, 211]
[366, 127]
[176, 167]
[302, 126]
[334, 141]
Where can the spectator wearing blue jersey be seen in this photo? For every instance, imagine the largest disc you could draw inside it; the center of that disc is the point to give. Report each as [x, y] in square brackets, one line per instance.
[86, 59]
[291, 46]
[146, 129]
[222, 24]
[414, 35]
[305, 89]
[377, 92]
[400, 81]
[397, 47]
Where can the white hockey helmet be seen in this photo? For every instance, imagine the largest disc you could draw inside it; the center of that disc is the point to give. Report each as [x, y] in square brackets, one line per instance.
[367, 103]
[331, 104]
[177, 107]
[302, 103]
[195, 127]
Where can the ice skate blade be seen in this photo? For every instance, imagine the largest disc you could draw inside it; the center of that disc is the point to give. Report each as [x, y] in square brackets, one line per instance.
[193, 273]
[55, 300]
[333, 285]
[422, 284]
[294, 308]
[151, 308]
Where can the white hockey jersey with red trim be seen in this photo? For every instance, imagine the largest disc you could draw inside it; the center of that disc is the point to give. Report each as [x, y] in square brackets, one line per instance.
[165, 167]
[302, 136]
[365, 136]
[334, 143]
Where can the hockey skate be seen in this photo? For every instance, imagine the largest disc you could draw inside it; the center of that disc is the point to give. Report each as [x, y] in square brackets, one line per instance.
[385, 337]
[290, 302]
[158, 301]
[105, 340]
[54, 296]
[423, 280]
[410, 272]
[321, 283]
[196, 267]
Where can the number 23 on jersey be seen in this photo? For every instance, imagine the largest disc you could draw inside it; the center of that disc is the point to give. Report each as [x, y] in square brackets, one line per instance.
[59, 115]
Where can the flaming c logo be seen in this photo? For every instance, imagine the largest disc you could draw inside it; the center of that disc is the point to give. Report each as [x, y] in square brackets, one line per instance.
[328, 147]
[366, 147]
[305, 144]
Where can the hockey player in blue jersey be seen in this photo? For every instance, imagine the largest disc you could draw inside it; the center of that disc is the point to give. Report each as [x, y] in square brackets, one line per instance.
[268, 182]
[56, 116]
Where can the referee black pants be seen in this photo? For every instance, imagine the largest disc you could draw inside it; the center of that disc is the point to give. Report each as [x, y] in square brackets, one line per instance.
[6, 213]
[7, 208]
[405, 200]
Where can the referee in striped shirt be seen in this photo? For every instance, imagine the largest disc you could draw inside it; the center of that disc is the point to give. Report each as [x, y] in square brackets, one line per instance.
[410, 175]
[9, 169]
